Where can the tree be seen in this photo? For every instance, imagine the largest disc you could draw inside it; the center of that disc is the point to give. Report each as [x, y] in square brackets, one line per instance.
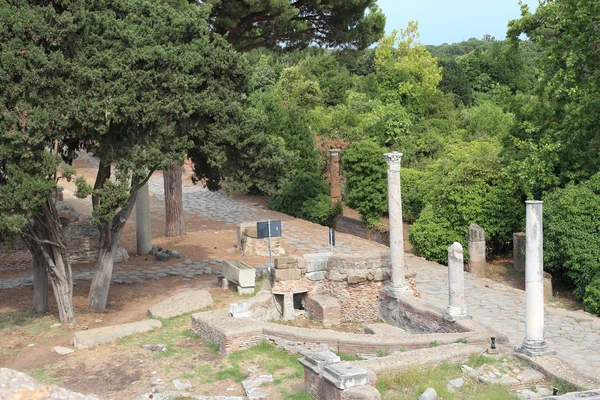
[148, 79]
[296, 23]
[33, 44]
[286, 25]
[556, 138]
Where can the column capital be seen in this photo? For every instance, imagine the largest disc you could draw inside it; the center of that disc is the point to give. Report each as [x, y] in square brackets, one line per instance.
[334, 152]
[393, 161]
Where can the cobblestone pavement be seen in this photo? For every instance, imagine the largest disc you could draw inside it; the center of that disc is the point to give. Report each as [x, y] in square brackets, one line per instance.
[575, 335]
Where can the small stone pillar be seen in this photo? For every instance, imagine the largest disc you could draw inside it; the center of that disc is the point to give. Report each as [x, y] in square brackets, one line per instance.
[334, 176]
[288, 306]
[476, 250]
[457, 307]
[534, 343]
[519, 251]
[398, 286]
[143, 225]
[547, 286]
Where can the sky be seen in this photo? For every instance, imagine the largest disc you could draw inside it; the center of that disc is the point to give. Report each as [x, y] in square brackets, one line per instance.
[452, 21]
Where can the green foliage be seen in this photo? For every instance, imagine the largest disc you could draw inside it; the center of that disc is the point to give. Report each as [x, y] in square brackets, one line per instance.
[290, 25]
[591, 297]
[487, 119]
[467, 186]
[413, 193]
[572, 232]
[454, 81]
[365, 175]
[306, 196]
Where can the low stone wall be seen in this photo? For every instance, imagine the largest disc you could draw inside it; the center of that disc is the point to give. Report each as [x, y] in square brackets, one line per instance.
[358, 302]
[250, 245]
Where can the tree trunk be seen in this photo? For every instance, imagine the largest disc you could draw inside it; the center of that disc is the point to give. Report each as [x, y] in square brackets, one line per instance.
[40, 285]
[175, 223]
[46, 241]
[98, 296]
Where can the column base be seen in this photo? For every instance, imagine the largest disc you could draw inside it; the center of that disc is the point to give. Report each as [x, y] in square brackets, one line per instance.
[533, 348]
[397, 291]
[453, 314]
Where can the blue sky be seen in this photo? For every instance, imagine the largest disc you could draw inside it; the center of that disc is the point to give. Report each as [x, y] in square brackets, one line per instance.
[451, 21]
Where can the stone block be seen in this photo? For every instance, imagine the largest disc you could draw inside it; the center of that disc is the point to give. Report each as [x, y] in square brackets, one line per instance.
[286, 274]
[336, 276]
[251, 231]
[318, 360]
[285, 262]
[316, 276]
[316, 262]
[181, 303]
[107, 334]
[356, 279]
[239, 273]
[360, 393]
[547, 286]
[245, 290]
[429, 394]
[325, 309]
[345, 375]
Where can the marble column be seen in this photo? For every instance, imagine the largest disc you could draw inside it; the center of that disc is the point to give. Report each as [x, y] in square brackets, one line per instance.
[334, 176]
[476, 248]
[143, 226]
[398, 286]
[534, 343]
[457, 307]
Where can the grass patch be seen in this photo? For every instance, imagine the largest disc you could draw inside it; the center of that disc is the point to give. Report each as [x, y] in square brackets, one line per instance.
[285, 395]
[382, 352]
[563, 386]
[12, 319]
[348, 357]
[42, 375]
[412, 383]
[477, 360]
[464, 340]
[232, 372]
[269, 357]
[211, 347]
[434, 344]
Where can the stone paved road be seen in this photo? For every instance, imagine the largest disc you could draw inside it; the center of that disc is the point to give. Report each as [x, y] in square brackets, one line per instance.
[575, 335]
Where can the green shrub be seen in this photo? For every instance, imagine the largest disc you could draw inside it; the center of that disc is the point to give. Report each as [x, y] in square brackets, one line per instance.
[572, 233]
[412, 193]
[591, 297]
[319, 210]
[467, 186]
[431, 236]
[306, 197]
[365, 173]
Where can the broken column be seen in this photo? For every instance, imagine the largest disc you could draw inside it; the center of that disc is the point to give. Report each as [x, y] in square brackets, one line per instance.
[534, 343]
[476, 250]
[457, 307]
[519, 251]
[334, 176]
[398, 286]
[143, 226]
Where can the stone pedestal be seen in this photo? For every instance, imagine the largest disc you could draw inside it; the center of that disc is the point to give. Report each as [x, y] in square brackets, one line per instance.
[398, 287]
[457, 307]
[334, 176]
[519, 251]
[476, 250]
[534, 343]
[143, 226]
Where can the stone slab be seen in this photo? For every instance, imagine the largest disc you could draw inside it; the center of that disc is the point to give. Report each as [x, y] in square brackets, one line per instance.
[316, 276]
[317, 360]
[17, 385]
[286, 274]
[588, 395]
[63, 350]
[107, 334]
[181, 303]
[345, 375]
[238, 272]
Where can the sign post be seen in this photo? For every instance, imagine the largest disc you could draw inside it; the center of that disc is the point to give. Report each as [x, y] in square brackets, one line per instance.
[269, 229]
[331, 239]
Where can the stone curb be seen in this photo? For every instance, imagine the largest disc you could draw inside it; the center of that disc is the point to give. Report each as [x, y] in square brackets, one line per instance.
[107, 334]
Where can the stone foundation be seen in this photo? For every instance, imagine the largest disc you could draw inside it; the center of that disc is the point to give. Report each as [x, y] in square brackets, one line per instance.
[324, 309]
[250, 245]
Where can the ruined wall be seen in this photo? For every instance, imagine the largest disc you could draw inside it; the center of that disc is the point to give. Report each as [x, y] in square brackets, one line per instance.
[356, 227]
